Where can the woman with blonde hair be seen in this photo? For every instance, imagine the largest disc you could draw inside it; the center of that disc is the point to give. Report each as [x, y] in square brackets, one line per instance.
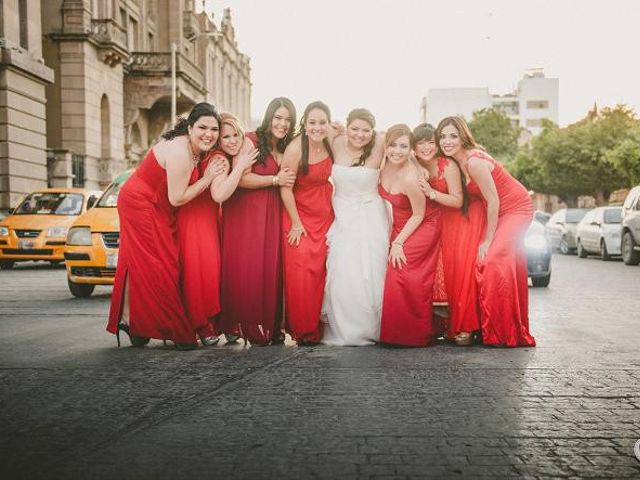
[407, 312]
[501, 261]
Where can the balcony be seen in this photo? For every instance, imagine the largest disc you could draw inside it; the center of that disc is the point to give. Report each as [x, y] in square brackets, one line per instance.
[158, 64]
[111, 40]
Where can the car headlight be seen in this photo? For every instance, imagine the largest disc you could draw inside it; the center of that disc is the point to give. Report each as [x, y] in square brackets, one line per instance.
[4, 231]
[79, 236]
[535, 242]
[57, 232]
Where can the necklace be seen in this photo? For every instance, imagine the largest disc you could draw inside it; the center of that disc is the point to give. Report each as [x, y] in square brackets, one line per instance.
[195, 158]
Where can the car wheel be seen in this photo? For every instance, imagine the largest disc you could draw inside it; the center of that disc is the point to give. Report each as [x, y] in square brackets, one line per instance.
[564, 246]
[6, 264]
[582, 253]
[629, 255]
[604, 253]
[541, 281]
[80, 290]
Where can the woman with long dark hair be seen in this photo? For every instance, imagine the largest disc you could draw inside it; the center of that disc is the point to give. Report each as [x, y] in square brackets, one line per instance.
[500, 257]
[358, 239]
[146, 301]
[251, 279]
[305, 223]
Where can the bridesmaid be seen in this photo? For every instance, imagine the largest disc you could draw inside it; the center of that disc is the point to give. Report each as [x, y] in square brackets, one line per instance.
[305, 224]
[406, 306]
[198, 231]
[251, 278]
[502, 261]
[455, 272]
[146, 300]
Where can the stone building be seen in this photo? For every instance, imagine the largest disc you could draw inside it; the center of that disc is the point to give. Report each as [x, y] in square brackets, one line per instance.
[111, 97]
[23, 77]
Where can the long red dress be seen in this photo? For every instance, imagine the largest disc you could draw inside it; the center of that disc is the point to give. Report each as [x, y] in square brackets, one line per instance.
[148, 256]
[407, 312]
[502, 276]
[459, 240]
[251, 277]
[199, 248]
[439, 183]
[305, 265]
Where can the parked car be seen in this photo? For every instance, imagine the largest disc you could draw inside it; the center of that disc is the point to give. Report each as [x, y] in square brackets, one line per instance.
[91, 250]
[599, 233]
[630, 243]
[36, 229]
[538, 255]
[561, 229]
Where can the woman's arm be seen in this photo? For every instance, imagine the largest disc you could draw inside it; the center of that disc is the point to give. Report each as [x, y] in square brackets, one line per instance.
[418, 206]
[253, 181]
[480, 171]
[178, 167]
[291, 161]
[454, 186]
[223, 186]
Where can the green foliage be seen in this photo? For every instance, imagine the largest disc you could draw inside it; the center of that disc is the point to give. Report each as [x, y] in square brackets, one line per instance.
[493, 130]
[594, 156]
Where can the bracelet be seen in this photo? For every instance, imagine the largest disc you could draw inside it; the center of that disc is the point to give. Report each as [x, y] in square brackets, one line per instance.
[432, 195]
[275, 180]
[397, 243]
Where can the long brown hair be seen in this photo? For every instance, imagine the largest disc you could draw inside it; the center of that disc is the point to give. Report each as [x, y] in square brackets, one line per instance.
[468, 143]
[367, 116]
[304, 139]
[263, 132]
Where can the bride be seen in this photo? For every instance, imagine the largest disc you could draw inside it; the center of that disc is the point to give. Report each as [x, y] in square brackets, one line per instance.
[358, 239]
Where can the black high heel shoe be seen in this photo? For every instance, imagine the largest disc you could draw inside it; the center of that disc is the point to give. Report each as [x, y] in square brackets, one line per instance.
[135, 341]
[209, 341]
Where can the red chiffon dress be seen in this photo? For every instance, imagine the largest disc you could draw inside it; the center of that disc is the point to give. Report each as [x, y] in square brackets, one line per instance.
[305, 265]
[407, 312]
[148, 257]
[199, 247]
[502, 276]
[251, 277]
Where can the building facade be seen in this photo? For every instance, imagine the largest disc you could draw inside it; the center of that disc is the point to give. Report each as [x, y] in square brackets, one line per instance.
[535, 98]
[23, 80]
[114, 64]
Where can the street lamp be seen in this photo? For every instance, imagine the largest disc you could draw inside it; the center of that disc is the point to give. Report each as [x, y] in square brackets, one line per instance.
[174, 51]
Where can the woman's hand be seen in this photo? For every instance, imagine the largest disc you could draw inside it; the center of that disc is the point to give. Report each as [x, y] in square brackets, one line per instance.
[246, 158]
[397, 256]
[426, 188]
[286, 178]
[217, 166]
[482, 250]
[295, 234]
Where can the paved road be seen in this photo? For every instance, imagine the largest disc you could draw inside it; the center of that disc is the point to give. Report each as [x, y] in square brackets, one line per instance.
[72, 405]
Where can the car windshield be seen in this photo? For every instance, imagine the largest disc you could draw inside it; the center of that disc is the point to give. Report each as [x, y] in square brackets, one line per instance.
[612, 215]
[574, 216]
[51, 203]
[110, 197]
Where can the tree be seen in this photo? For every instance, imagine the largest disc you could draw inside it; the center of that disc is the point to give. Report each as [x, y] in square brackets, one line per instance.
[493, 130]
[625, 157]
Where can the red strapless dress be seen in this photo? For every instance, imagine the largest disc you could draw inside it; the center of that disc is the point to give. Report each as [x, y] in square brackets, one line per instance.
[305, 266]
[251, 278]
[502, 276]
[148, 256]
[406, 305]
[199, 247]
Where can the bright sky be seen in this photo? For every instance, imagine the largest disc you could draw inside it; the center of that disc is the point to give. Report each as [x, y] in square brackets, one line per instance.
[385, 54]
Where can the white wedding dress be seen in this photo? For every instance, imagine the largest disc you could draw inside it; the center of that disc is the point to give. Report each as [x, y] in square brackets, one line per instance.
[357, 261]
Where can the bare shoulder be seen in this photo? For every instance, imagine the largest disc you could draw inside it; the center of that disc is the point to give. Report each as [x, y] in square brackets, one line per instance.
[295, 146]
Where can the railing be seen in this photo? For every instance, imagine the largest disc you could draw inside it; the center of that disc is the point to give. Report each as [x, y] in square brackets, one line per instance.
[160, 62]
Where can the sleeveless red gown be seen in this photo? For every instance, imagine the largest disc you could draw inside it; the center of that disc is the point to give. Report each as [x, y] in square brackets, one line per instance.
[199, 247]
[406, 305]
[502, 276]
[305, 267]
[251, 277]
[148, 256]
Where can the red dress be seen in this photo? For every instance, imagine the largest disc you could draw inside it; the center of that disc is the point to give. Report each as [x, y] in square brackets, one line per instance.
[406, 304]
[251, 277]
[502, 276]
[305, 267]
[439, 183]
[459, 240]
[199, 247]
[148, 256]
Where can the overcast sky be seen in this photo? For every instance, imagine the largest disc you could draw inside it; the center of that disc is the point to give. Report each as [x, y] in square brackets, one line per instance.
[386, 54]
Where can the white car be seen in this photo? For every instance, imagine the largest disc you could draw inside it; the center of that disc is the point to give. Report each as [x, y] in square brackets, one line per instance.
[599, 232]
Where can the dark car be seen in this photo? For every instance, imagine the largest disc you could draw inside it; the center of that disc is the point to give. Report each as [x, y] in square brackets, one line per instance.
[538, 255]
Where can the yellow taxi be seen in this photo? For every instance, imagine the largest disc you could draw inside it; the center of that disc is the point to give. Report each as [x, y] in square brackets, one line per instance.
[91, 250]
[37, 228]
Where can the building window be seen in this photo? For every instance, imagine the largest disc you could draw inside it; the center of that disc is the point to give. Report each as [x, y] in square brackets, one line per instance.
[537, 104]
[151, 46]
[133, 34]
[77, 168]
[534, 122]
[24, 22]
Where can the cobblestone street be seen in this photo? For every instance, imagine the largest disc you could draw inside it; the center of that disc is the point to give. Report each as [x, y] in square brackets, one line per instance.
[73, 405]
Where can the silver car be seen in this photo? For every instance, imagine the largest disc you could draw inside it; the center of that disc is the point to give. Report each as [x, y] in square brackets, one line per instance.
[630, 244]
[599, 232]
[561, 229]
